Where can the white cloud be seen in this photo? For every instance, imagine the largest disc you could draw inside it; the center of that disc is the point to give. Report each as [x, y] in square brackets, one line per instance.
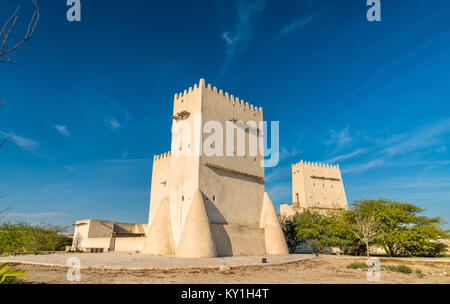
[286, 154]
[278, 172]
[442, 149]
[343, 157]
[112, 123]
[340, 139]
[363, 167]
[297, 25]
[243, 30]
[424, 137]
[63, 130]
[21, 141]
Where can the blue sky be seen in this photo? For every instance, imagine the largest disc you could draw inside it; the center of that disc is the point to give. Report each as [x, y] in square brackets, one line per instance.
[89, 103]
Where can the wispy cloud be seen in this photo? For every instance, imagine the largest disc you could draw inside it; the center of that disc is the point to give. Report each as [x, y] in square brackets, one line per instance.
[21, 141]
[36, 215]
[424, 137]
[63, 130]
[243, 30]
[358, 168]
[343, 157]
[389, 152]
[340, 139]
[297, 25]
[124, 116]
[112, 123]
[289, 153]
[278, 173]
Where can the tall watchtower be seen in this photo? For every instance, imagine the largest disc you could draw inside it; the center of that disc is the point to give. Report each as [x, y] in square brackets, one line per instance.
[207, 195]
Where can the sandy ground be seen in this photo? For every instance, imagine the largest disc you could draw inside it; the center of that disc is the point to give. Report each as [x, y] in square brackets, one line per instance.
[136, 261]
[321, 270]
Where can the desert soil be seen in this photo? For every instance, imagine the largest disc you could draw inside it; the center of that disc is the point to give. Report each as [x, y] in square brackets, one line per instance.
[320, 270]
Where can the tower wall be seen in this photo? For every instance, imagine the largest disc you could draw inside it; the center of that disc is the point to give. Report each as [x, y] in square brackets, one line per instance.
[160, 182]
[184, 172]
[317, 186]
[233, 186]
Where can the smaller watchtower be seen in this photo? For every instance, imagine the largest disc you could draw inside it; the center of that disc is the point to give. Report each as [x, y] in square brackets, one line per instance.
[315, 186]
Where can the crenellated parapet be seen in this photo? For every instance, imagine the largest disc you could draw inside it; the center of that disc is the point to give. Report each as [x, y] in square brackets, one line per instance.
[225, 96]
[314, 165]
[163, 156]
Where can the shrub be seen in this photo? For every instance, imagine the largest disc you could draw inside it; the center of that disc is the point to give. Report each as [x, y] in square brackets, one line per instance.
[419, 273]
[23, 237]
[357, 265]
[398, 268]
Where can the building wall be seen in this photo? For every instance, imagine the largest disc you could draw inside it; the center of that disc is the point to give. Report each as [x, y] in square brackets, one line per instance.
[99, 234]
[160, 182]
[317, 186]
[238, 240]
[233, 186]
[128, 244]
[184, 162]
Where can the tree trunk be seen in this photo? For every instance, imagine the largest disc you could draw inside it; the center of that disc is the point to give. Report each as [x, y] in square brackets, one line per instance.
[367, 249]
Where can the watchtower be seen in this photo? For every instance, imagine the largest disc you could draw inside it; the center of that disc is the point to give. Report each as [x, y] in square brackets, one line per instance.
[207, 197]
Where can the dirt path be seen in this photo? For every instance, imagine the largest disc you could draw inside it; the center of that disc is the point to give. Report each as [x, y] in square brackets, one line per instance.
[322, 270]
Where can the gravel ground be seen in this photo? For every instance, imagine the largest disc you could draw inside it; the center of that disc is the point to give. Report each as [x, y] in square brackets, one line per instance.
[121, 260]
[311, 270]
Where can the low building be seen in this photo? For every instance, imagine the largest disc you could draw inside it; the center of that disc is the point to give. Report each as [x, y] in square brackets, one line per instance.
[98, 235]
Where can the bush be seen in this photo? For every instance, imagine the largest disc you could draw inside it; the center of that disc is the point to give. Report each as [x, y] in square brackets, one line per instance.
[419, 273]
[23, 237]
[399, 268]
[357, 265]
[13, 280]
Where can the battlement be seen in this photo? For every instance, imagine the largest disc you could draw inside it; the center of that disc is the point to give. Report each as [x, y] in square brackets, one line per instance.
[162, 156]
[319, 165]
[224, 95]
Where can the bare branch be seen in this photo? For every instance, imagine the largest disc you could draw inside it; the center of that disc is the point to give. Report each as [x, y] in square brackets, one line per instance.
[30, 31]
[4, 141]
[9, 20]
[365, 228]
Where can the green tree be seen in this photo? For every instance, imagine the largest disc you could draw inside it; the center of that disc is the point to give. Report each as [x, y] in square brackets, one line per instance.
[290, 233]
[324, 229]
[401, 229]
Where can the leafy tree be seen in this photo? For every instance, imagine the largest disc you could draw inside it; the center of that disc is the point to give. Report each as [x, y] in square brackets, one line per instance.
[12, 236]
[324, 229]
[290, 233]
[401, 230]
